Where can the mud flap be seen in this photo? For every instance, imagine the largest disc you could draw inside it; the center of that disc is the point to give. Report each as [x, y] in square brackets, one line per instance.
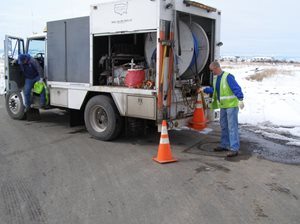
[33, 114]
[76, 117]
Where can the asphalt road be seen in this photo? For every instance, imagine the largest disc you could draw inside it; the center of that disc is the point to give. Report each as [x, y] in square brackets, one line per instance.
[51, 173]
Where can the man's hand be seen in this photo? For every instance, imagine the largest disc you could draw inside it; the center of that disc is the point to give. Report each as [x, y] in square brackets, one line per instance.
[241, 104]
[199, 90]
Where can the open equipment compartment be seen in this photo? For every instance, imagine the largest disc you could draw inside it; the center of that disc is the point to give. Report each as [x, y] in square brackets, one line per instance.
[113, 55]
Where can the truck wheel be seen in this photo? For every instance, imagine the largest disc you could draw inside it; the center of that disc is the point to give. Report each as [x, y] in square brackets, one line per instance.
[102, 118]
[14, 105]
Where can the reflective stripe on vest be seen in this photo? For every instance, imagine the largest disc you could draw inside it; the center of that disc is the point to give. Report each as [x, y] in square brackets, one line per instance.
[227, 97]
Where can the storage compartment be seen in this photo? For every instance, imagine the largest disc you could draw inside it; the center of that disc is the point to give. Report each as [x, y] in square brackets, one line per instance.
[68, 50]
[115, 55]
[141, 107]
[59, 97]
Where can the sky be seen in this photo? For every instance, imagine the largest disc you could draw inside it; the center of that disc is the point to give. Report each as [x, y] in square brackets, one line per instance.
[248, 28]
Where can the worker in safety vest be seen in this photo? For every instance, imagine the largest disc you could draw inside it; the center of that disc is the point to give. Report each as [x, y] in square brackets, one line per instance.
[228, 96]
[33, 73]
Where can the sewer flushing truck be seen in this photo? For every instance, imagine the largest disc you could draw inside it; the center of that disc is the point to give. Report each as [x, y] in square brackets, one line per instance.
[129, 59]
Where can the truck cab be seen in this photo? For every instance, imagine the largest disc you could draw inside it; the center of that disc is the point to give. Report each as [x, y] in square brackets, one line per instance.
[14, 80]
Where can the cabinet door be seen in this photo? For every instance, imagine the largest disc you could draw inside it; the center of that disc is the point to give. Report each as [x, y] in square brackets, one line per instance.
[59, 97]
[141, 107]
[68, 49]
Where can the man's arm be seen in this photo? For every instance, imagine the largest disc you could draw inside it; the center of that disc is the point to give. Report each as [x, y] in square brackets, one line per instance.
[208, 90]
[235, 88]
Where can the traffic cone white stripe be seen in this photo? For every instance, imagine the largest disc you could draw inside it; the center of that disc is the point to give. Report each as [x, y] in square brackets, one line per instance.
[199, 105]
[164, 130]
[164, 141]
[164, 137]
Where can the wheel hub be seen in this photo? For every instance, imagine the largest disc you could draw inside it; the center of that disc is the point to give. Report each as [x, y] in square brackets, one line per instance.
[14, 104]
[100, 119]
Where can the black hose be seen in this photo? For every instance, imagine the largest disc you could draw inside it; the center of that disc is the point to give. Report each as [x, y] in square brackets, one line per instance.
[178, 35]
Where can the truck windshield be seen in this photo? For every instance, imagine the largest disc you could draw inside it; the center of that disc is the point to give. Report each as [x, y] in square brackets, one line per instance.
[36, 47]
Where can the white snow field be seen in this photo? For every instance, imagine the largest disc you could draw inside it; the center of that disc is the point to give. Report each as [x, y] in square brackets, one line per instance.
[271, 97]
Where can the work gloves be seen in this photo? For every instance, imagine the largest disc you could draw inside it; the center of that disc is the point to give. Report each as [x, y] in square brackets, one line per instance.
[241, 104]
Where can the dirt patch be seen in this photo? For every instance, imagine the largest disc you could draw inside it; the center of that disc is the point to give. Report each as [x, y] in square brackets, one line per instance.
[225, 186]
[281, 189]
[258, 210]
[202, 169]
[211, 167]
[218, 167]
[260, 75]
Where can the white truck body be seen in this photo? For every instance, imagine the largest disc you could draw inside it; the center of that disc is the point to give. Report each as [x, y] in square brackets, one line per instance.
[131, 25]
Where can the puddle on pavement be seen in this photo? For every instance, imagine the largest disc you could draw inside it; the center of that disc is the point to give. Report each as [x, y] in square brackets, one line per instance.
[251, 144]
[272, 150]
[208, 166]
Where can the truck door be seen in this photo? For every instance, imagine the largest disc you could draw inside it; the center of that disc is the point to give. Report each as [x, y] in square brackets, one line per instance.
[14, 80]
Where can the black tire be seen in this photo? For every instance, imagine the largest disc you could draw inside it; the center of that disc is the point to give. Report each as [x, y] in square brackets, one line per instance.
[102, 119]
[14, 105]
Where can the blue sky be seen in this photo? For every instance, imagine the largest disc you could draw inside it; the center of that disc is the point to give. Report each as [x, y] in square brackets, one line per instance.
[256, 27]
[261, 27]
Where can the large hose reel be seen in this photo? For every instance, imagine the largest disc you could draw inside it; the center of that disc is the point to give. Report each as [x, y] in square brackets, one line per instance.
[194, 47]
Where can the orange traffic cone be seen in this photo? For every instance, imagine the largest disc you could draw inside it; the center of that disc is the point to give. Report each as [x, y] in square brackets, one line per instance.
[199, 121]
[164, 154]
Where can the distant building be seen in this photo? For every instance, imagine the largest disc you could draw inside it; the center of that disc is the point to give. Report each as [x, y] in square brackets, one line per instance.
[228, 58]
[262, 59]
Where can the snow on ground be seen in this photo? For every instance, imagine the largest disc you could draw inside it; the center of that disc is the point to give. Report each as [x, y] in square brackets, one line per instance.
[272, 106]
